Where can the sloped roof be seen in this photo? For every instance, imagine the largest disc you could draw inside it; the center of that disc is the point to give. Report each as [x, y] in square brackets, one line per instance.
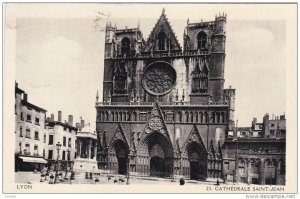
[162, 22]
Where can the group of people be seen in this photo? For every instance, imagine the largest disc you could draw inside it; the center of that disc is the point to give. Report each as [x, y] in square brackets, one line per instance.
[55, 177]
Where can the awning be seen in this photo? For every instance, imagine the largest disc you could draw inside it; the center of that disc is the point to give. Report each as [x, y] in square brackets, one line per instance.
[34, 160]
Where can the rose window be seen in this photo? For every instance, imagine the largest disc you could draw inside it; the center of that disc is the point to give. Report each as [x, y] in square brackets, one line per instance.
[159, 78]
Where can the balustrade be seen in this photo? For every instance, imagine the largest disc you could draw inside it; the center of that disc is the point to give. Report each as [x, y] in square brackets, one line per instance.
[160, 103]
[157, 55]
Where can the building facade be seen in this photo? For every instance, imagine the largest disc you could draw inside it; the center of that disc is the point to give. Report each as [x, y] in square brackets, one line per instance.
[165, 111]
[29, 133]
[63, 133]
[256, 154]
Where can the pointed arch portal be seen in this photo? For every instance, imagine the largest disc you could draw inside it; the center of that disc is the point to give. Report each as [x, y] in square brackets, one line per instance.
[160, 152]
[119, 156]
[157, 160]
[121, 153]
[198, 161]
[195, 156]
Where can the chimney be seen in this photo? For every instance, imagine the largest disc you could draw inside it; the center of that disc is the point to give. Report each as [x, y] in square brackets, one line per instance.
[52, 117]
[266, 127]
[77, 125]
[234, 133]
[254, 121]
[81, 123]
[25, 97]
[70, 120]
[59, 116]
[235, 130]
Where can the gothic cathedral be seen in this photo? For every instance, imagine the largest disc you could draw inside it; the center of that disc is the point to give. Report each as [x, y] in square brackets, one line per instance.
[165, 111]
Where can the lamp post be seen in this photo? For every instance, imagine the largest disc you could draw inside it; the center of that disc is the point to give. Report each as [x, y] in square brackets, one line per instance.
[128, 170]
[58, 147]
[173, 168]
[68, 159]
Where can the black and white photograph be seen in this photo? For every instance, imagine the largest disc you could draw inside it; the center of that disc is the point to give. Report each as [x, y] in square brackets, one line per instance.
[192, 96]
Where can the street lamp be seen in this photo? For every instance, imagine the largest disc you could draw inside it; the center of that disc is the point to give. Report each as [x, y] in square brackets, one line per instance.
[58, 147]
[175, 159]
[128, 164]
[68, 159]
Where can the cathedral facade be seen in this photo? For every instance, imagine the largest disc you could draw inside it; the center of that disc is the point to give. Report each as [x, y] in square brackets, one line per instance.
[165, 111]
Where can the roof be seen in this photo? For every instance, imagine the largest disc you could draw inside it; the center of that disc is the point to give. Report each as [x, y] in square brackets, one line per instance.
[53, 123]
[86, 132]
[86, 135]
[86, 128]
[18, 90]
[26, 103]
[162, 21]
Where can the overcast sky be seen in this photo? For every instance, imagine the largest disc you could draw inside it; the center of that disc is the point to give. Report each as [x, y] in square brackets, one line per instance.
[60, 53]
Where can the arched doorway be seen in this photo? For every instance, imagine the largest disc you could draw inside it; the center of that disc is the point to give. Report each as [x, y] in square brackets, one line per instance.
[121, 150]
[157, 161]
[160, 154]
[194, 166]
[122, 162]
[198, 161]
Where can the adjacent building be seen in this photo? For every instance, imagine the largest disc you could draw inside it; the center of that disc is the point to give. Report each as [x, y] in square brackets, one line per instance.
[165, 111]
[256, 154]
[64, 133]
[36, 136]
[30, 132]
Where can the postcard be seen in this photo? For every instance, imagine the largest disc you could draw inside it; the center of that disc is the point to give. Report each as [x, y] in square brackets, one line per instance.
[150, 98]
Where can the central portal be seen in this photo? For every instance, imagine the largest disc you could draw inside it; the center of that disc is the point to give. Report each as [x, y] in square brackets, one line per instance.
[155, 155]
[157, 167]
[157, 161]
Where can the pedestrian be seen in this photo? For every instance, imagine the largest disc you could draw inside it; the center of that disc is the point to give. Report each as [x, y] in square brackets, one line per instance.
[115, 181]
[46, 176]
[181, 181]
[72, 177]
[42, 178]
[51, 181]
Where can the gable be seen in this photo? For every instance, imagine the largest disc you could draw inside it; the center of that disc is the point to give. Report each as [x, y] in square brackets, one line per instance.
[156, 123]
[162, 29]
[118, 135]
[194, 136]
